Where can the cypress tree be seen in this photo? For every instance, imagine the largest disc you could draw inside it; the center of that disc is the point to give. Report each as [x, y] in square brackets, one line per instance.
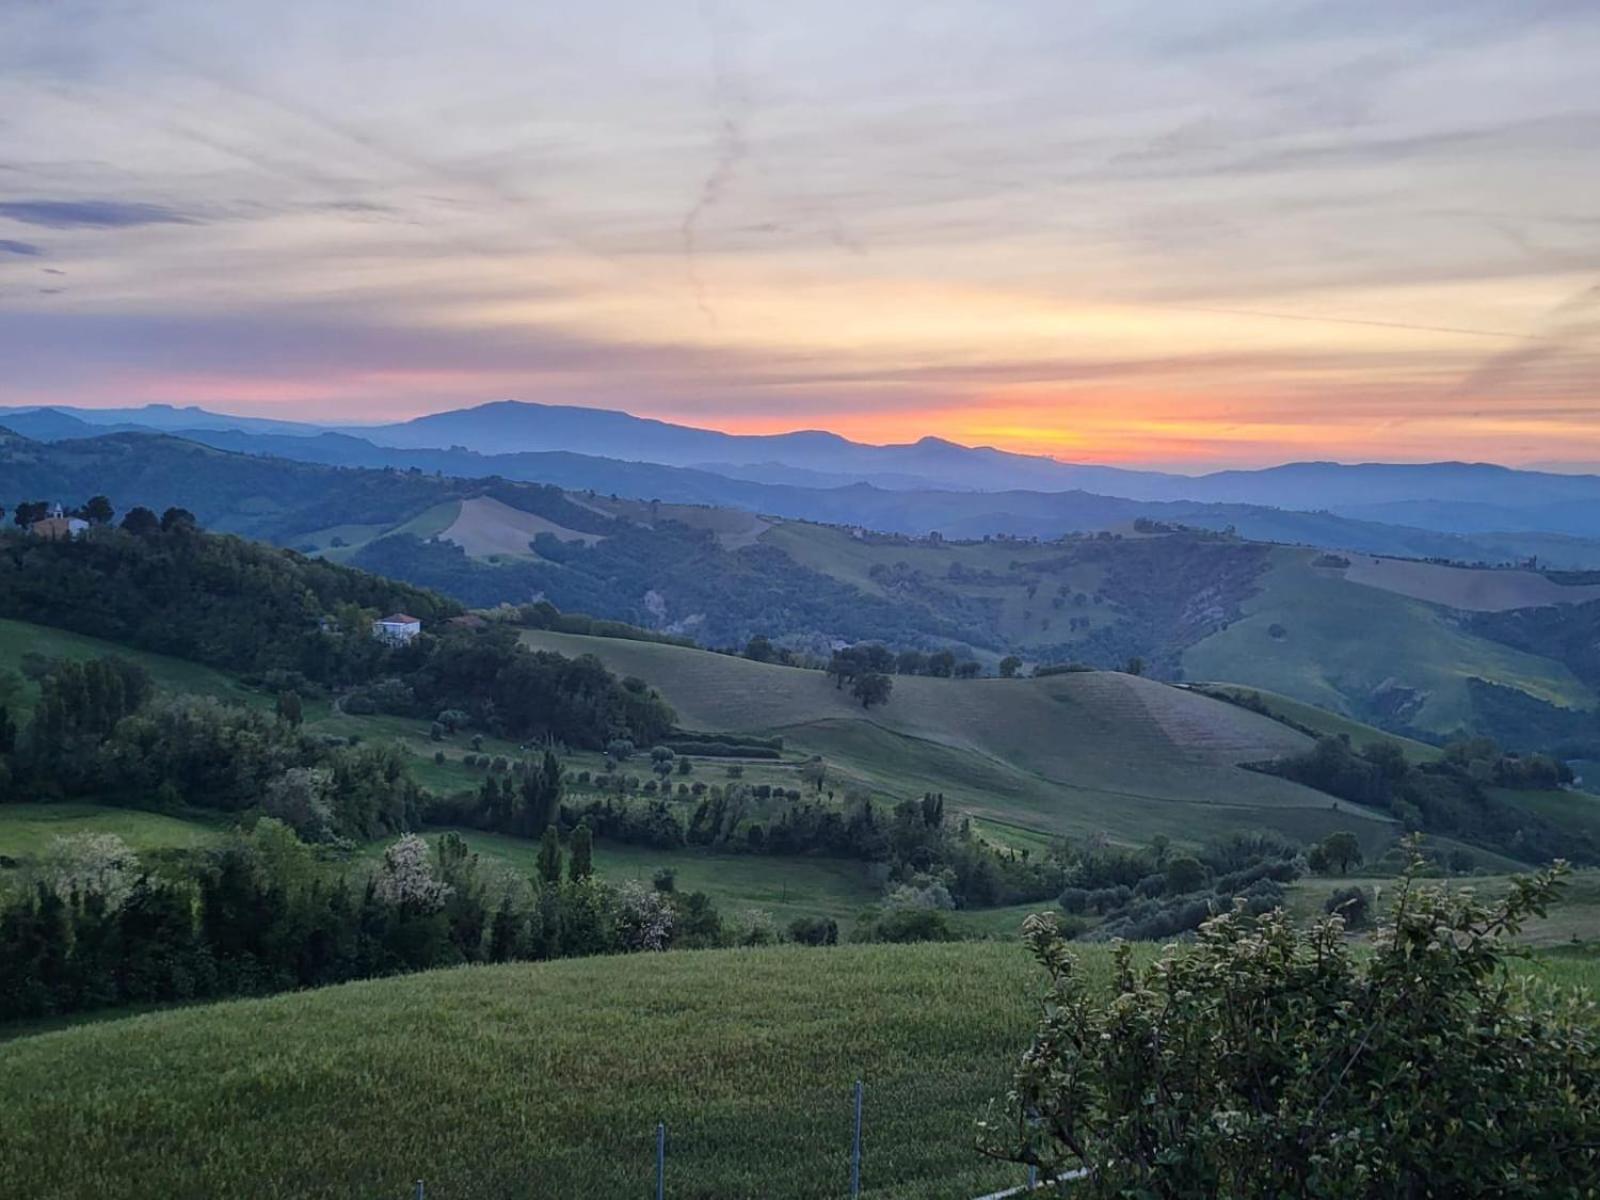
[550, 856]
[582, 864]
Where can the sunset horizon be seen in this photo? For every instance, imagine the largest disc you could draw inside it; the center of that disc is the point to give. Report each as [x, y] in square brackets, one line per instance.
[1225, 237]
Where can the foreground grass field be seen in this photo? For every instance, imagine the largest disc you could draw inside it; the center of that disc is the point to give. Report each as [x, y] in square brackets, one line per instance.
[543, 1080]
[548, 1080]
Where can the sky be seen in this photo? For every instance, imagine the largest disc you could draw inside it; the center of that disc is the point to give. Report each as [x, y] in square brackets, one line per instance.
[1187, 235]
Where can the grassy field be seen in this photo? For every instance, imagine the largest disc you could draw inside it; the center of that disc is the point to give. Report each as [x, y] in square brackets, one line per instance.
[539, 1080]
[1328, 724]
[1069, 754]
[1340, 642]
[18, 638]
[28, 829]
[785, 887]
[547, 1079]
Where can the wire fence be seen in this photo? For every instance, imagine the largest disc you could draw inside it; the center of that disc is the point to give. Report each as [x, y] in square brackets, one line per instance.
[865, 1158]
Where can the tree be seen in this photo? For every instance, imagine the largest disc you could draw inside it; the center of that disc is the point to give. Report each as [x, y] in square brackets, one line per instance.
[910, 662]
[759, 649]
[289, 708]
[141, 522]
[968, 670]
[1135, 666]
[1273, 1060]
[942, 663]
[178, 519]
[1342, 851]
[29, 511]
[98, 511]
[1184, 874]
[549, 864]
[815, 772]
[872, 688]
[582, 864]
[1009, 666]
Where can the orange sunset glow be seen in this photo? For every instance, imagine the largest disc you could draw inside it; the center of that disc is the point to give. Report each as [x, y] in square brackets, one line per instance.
[1088, 235]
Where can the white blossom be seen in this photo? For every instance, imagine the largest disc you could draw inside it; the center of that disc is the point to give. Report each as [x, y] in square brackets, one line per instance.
[91, 864]
[406, 877]
[644, 917]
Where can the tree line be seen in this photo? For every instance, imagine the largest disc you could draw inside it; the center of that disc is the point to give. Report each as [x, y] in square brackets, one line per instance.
[99, 927]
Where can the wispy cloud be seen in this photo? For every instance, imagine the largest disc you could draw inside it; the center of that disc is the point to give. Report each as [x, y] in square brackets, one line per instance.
[91, 214]
[7, 246]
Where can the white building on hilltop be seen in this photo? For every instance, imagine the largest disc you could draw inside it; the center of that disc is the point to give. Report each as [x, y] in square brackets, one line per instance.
[397, 628]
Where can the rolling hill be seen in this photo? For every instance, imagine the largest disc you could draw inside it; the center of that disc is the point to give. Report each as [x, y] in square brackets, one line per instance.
[1424, 649]
[1076, 753]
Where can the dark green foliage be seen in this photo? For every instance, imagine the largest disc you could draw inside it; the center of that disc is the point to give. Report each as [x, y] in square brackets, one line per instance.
[259, 914]
[213, 599]
[1450, 796]
[903, 925]
[872, 688]
[814, 931]
[289, 708]
[581, 866]
[1268, 1060]
[549, 863]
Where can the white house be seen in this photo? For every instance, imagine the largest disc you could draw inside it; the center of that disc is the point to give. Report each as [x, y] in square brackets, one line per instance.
[398, 628]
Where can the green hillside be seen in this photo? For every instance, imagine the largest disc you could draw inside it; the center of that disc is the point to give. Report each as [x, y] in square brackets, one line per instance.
[548, 1079]
[1391, 642]
[18, 639]
[1368, 653]
[1074, 753]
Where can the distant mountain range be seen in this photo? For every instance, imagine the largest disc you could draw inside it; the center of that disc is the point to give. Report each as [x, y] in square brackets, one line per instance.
[546, 442]
[146, 472]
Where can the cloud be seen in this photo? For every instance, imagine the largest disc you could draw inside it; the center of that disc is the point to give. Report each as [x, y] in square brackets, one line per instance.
[730, 150]
[7, 246]
[91, 214]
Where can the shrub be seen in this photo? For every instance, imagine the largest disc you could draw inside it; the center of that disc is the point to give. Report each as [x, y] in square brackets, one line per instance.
[1269, 1060]
[1351, 903]
[904, 925]
[814, 931]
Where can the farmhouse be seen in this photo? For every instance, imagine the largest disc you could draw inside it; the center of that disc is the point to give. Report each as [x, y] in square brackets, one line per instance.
[397, 628]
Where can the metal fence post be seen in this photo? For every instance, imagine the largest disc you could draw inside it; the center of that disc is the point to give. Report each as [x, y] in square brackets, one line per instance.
[1033, 1177]
[421, 1193]
[661, 1159]
[855, 1145]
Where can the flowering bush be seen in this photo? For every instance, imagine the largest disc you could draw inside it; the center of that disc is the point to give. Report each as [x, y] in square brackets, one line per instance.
[406, 878]
[644, 917]
[91, 864]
